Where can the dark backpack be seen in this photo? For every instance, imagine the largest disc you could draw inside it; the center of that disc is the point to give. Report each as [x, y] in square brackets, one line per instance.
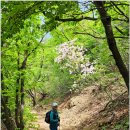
[47, 118]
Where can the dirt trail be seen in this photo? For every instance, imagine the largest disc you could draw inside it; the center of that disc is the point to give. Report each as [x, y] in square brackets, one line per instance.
[79, 109]
[40, 120]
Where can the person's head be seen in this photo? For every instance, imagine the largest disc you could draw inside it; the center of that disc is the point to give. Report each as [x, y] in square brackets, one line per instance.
[54, 105]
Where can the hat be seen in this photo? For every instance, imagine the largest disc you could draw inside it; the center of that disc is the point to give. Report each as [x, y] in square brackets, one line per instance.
[54, 104]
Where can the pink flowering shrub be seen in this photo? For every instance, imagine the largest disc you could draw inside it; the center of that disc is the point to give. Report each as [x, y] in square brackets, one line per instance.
[72, 57]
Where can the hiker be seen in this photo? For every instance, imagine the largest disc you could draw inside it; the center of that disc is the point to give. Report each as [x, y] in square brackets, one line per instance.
[52, 117]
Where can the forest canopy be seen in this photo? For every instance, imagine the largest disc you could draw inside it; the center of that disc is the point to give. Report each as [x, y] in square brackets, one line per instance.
[55, 48]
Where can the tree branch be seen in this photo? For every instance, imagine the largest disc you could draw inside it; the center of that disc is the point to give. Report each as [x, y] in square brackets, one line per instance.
[25, 59]
[65, 35]
[121, 12]
[30, 93]
[118, 19]
[119, 30]
[86, 18]
[85, 33]
[74, 19]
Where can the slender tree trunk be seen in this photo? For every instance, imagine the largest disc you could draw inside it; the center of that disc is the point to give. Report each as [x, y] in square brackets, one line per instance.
[6, 113]
[17, 104]
[106, 20]
[3, 127]
[32, 96]
[35, 98]
[23, 67]
[34, 101]
[22, 104]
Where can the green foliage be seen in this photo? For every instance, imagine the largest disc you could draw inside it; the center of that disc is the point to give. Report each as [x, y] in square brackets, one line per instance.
[29, 118]
[123, 124]
[25, 23]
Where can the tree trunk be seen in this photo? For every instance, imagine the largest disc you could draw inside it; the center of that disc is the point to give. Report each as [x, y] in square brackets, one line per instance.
[17, 104]
[6, 113]
[3, 127]
[22, 104]
[33, 96]
[106, 20]
[43, 96]
[34, 102]
[23, 67]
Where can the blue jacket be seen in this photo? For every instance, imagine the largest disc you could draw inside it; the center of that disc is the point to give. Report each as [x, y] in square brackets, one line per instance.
[54, 117]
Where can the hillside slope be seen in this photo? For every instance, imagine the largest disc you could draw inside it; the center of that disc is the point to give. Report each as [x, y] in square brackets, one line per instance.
[90, 109]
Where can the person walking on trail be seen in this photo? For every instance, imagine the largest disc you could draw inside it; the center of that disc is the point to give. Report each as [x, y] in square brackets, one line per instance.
[52, 117]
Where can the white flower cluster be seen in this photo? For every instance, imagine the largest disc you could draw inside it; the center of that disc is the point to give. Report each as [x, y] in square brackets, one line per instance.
[87, 68]
[72, 57]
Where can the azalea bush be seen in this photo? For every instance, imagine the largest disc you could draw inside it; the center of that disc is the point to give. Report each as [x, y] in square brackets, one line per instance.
[72, 57]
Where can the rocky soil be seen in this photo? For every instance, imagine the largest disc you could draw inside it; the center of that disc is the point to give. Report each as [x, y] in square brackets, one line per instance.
[84, 111]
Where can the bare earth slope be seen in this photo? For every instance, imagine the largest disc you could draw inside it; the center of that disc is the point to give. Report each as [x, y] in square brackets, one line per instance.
[80, 111]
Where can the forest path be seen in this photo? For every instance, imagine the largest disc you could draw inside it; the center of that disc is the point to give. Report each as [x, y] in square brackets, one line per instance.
[40, 120]
[79, 110]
